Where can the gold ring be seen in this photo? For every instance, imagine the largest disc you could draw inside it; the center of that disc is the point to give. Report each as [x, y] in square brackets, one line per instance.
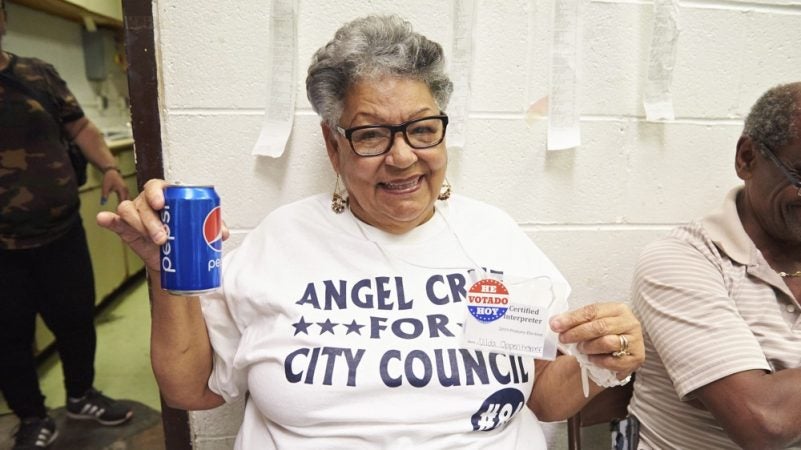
[624, 347]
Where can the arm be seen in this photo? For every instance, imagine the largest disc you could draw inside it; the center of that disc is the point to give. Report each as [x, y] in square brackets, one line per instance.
[181, 353]
[757, 409]
[180, 350]
[557, 392]
[93, 145]
[84, 133]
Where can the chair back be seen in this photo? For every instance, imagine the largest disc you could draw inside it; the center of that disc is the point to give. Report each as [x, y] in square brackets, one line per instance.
[605, 407]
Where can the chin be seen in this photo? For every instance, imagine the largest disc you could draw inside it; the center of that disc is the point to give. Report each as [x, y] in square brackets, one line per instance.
[408, 215]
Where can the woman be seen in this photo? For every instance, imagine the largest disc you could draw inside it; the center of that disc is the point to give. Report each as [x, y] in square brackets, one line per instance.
[343, 319]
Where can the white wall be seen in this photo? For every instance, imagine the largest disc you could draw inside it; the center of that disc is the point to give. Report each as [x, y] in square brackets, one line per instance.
[591, 209]
[58, 41]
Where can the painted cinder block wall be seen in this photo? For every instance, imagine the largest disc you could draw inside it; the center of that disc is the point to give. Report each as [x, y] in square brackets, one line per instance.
[591, 209]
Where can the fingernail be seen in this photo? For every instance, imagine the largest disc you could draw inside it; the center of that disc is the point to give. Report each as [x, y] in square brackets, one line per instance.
[103, 200]
[556, 323]
[159, 235]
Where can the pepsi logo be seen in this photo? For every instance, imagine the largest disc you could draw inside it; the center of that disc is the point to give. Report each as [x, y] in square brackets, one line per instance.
[212, 229]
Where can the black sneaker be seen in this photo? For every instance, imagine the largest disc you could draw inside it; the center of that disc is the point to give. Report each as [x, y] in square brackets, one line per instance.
[96, 406]
[35, 433]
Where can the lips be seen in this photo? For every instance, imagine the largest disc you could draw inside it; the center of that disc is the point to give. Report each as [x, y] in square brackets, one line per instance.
[400, 186]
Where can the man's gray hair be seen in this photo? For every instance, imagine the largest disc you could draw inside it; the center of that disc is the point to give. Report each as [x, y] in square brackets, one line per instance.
[369, 48]
[773, 118]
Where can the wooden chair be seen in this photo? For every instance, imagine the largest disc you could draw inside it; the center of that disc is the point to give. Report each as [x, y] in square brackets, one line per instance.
[608, 405]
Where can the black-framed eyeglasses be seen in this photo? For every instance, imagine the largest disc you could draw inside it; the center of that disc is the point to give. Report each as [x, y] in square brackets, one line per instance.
[791, 175]
[375, 140]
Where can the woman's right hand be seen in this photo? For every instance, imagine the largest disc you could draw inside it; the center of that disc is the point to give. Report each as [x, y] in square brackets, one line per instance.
[138, 224]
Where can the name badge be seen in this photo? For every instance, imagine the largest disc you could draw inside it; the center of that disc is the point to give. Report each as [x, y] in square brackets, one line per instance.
[515, 323]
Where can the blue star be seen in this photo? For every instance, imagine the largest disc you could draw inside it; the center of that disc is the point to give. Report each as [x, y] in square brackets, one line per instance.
[354, 327]
[327, 326]
[301, 326]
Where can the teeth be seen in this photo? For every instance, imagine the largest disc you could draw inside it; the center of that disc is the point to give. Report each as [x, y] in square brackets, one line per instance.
[401, 186]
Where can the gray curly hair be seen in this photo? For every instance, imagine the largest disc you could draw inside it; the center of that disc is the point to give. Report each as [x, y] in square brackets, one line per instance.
[773, 118]
[372, 47]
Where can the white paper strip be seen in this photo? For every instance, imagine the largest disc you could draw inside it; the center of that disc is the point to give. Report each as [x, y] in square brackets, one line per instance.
[280, 110]
[563, 115]
[536, 100]
[461, 63]
[658, 101]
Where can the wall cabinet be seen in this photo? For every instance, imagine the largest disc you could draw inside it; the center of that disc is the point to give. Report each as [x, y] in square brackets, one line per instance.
[103, 13]
[106, 8]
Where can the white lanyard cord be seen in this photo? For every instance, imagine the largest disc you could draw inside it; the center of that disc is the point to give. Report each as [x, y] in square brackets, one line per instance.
[473, 272]
[391, 256]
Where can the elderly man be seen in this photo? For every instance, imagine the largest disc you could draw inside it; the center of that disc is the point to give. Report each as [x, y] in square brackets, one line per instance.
[719, 302]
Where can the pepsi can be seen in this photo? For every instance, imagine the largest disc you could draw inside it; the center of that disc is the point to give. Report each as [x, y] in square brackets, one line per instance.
[190, 259]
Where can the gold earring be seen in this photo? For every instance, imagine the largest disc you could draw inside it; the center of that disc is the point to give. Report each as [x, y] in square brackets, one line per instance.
[444, 191]
[338, 202]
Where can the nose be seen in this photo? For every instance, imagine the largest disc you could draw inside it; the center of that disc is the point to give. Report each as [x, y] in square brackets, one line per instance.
[401, 154]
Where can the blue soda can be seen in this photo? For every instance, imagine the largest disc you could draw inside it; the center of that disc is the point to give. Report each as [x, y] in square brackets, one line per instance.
[190, 259]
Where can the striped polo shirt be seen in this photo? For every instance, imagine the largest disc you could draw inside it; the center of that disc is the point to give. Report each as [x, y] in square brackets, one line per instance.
[710, 306]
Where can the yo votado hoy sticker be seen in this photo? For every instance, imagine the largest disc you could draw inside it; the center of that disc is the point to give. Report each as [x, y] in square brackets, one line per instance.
[487, 300]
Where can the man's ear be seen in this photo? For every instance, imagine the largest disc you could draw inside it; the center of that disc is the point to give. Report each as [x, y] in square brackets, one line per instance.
[745, 160]
[331, 145]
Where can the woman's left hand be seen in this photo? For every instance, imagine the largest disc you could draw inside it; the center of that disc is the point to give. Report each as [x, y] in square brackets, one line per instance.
[607, 332]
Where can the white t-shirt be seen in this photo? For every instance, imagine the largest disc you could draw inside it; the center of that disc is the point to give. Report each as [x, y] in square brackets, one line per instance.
[348, 337]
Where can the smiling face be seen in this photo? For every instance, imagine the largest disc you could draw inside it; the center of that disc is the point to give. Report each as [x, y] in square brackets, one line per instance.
[776, 200]
[772, 199]
[396, 191]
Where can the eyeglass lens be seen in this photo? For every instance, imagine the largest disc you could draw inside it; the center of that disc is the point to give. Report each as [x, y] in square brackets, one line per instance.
[423, 133]
[791, 176]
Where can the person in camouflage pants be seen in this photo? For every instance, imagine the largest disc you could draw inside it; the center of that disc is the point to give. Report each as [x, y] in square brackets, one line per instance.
[45, 266]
